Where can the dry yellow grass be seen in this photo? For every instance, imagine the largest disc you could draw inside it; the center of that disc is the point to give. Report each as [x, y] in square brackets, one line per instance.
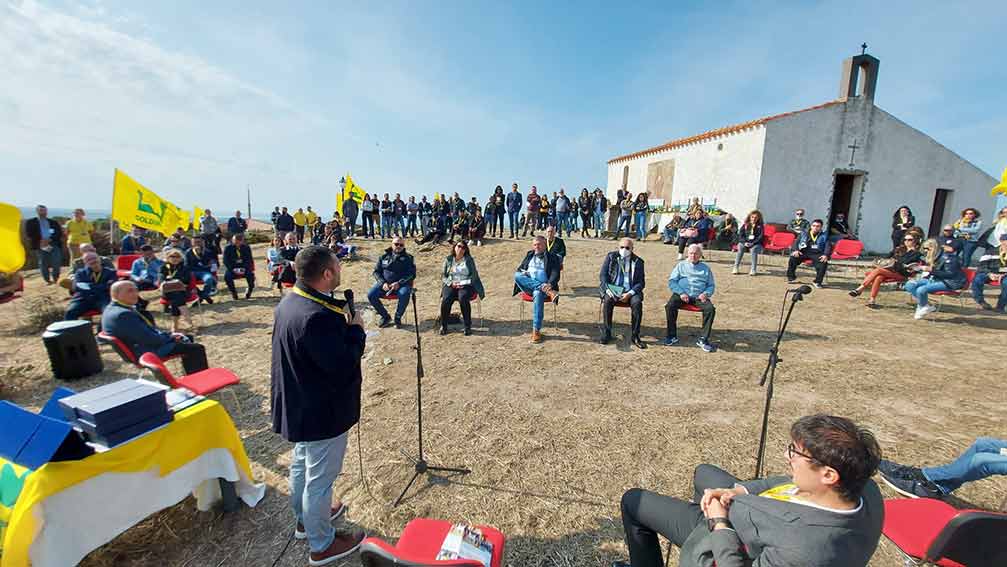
[556, 432]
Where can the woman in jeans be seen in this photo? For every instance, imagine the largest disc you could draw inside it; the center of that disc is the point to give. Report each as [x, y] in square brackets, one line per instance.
[174, 272]
[625, 214]
[905, 261]
[640, 208]
[367, 218]
[461, 282]
[599, 207]
[945, 275]
[967, 230]
[750, 240]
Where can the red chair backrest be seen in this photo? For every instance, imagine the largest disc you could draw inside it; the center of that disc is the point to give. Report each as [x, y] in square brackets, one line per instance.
[847, 249]
[782, 239]
[118, 346]
[970, 276]
[152, 362]
[125, 261]
[768, 230]
[974, 538]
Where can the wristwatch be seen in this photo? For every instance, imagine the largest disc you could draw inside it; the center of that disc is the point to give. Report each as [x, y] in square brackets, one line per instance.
[711, 523]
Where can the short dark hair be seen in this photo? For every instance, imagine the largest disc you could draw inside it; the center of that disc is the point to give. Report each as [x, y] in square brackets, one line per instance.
[839, 443]
[312, 261]
[819, 221]
[146, 248]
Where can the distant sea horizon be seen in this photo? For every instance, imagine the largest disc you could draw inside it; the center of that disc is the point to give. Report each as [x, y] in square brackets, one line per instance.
[93, 214]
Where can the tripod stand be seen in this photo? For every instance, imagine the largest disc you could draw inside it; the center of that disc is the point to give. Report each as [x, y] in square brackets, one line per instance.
[421, 466]
[770, 372]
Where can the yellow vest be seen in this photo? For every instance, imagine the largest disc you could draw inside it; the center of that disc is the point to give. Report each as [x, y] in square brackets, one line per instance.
[312, 217]
[78, 232]
[299, 219]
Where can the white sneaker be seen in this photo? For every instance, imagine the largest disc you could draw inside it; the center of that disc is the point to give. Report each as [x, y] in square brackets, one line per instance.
[735, 271]
[751, 272]
[922, 312]
[680, 256]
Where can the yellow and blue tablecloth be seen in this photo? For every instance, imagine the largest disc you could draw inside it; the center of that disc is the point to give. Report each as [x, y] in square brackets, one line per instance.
[62, 511]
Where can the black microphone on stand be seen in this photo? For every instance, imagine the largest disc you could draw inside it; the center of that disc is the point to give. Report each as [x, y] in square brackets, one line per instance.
[348, 294]
[803, 290]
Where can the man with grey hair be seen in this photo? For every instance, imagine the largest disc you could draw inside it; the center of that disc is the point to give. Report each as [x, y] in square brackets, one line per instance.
[45, 238]
[622, 282]
[691, 283]
[538, 277]
[91, 286]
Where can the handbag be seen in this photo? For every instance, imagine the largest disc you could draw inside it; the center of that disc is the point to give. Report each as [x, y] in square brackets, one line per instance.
[172, 286]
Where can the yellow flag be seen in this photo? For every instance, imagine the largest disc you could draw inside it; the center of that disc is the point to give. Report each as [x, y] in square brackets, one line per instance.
[197, 213]
[11, 250]
[134, 204]
[1002, 187]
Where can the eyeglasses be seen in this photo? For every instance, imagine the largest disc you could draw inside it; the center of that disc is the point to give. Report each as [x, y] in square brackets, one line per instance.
[792, 450]
[908, 240]
[398, 245]
[625, 248]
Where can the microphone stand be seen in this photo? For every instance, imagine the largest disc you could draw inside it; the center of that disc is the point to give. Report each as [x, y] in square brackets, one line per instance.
[769, 374]
[421, 466]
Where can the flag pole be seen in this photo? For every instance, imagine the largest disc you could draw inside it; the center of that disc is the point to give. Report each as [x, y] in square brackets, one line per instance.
[111, 222]
[248, 195]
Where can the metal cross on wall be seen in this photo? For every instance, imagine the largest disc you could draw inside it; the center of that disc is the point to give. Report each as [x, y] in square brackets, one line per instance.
[853, 153]
[863, 48]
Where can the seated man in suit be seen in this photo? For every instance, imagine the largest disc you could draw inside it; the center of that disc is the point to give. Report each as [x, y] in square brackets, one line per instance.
[121, 320]
[691, 283]
[202, 262]
[622, 281]
[146, 270]
[133, 240]
[393, 274]
[827, 513]
[813, 245]
[90, 287]
[238, 264]
[538, 276]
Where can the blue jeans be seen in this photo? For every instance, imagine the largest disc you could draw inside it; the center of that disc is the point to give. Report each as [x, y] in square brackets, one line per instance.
[513, 216]
[374, 296]
[754, 251]
[623, 220]
[641, 224]
[49, 263]
[563, 223]
[411, 227]
[968, 248]
[599, 222]
[984, 458]
[386, 226]
[399, 222]
[314, 468]
[920, 288]
[533, 287]
[977, 290]
[209, 283]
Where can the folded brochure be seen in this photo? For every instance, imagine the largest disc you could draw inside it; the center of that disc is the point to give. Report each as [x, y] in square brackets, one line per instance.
[466, 542]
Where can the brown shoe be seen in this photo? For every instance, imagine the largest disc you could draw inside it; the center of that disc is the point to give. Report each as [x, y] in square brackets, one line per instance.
[552, 295]
[338, 508]
[343, 545]
[536, 337]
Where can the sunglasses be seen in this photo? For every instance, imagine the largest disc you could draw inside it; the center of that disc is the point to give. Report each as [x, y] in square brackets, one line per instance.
[908, 240]
[625, 248]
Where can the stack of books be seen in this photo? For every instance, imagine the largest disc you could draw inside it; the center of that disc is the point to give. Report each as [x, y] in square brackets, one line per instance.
[112, 414]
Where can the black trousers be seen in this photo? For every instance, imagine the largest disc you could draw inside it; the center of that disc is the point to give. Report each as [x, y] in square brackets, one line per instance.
[684, 242]
[193, 356]
[646, 514]
[464, 297]
[299, 231]
[229, 278]
[675, 304]
[820, 267]
[635, 313]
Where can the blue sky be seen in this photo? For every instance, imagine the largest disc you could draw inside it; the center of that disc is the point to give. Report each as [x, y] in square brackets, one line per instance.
[199, 99]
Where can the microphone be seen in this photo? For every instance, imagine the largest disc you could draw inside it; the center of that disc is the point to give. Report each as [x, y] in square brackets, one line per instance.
[803, 290]
[348, 294]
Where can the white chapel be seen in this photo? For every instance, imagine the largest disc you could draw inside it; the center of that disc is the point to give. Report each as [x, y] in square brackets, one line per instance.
[844, 155]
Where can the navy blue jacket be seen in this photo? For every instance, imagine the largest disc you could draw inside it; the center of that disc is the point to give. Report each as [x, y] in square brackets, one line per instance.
[285, 222]
[610, 274]
[315, 368]
[702, 226]
[948, 269]
[392, 268]
[94, 291]
[756, 232]
[125, 324]
[231, 260]
[553, 264]
[236, 225]
[205, 262]
[820, 244]
[514, 201]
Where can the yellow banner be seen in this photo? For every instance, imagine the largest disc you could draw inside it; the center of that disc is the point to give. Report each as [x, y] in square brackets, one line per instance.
[135, 205]
[1002, 187]
[197, 213]
[350, 191]
[11, 250]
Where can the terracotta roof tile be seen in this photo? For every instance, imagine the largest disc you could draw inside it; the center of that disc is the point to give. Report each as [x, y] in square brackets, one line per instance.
[718, 132]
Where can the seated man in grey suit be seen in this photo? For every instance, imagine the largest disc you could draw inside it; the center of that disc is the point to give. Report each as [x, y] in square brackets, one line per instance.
[828, 513]
[121, 320]
[622, 281]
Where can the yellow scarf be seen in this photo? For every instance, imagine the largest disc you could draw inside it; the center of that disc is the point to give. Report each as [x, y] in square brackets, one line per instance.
[324, 304]
[785, 492]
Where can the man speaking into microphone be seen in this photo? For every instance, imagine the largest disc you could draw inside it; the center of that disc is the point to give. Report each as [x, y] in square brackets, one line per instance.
[317, 345]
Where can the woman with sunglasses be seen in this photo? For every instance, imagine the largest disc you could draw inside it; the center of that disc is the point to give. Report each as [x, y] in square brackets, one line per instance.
[905, 261]
[461, 282]
[902, 220]
[944, 273]
[967, 231]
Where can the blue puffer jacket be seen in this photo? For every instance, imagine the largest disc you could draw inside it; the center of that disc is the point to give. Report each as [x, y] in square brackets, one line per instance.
[948, 269]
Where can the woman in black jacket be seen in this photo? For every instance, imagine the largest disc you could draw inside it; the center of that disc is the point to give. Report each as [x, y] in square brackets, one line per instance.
[176, 283]
[905, 261]
[586, 207]
[461, 282]
[902, 220]
[750, 240]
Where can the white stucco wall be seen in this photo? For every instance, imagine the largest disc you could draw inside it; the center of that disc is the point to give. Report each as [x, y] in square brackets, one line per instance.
[902, 166]
[729, 175]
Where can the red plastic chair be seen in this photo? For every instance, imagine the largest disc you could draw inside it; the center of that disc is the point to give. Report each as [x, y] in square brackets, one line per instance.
[780, 242]
[191, 288]
[420, 543]
[970, 275]
[124, 265]
[768, 230]
[847, 249]
[16, 294]
[123, 350]
[528, 298]
[202, 383]
[932, 532]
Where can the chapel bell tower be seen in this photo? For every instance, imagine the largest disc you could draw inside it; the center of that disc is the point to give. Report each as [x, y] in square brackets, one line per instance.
[859, 71]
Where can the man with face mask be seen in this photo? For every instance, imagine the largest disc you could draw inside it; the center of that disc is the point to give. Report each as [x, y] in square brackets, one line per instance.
[622, 282]
[393, 275]
[318, 342]
[839, 228]
[538, 276]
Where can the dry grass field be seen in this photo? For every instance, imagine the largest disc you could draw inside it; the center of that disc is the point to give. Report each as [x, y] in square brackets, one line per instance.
[554, 433]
